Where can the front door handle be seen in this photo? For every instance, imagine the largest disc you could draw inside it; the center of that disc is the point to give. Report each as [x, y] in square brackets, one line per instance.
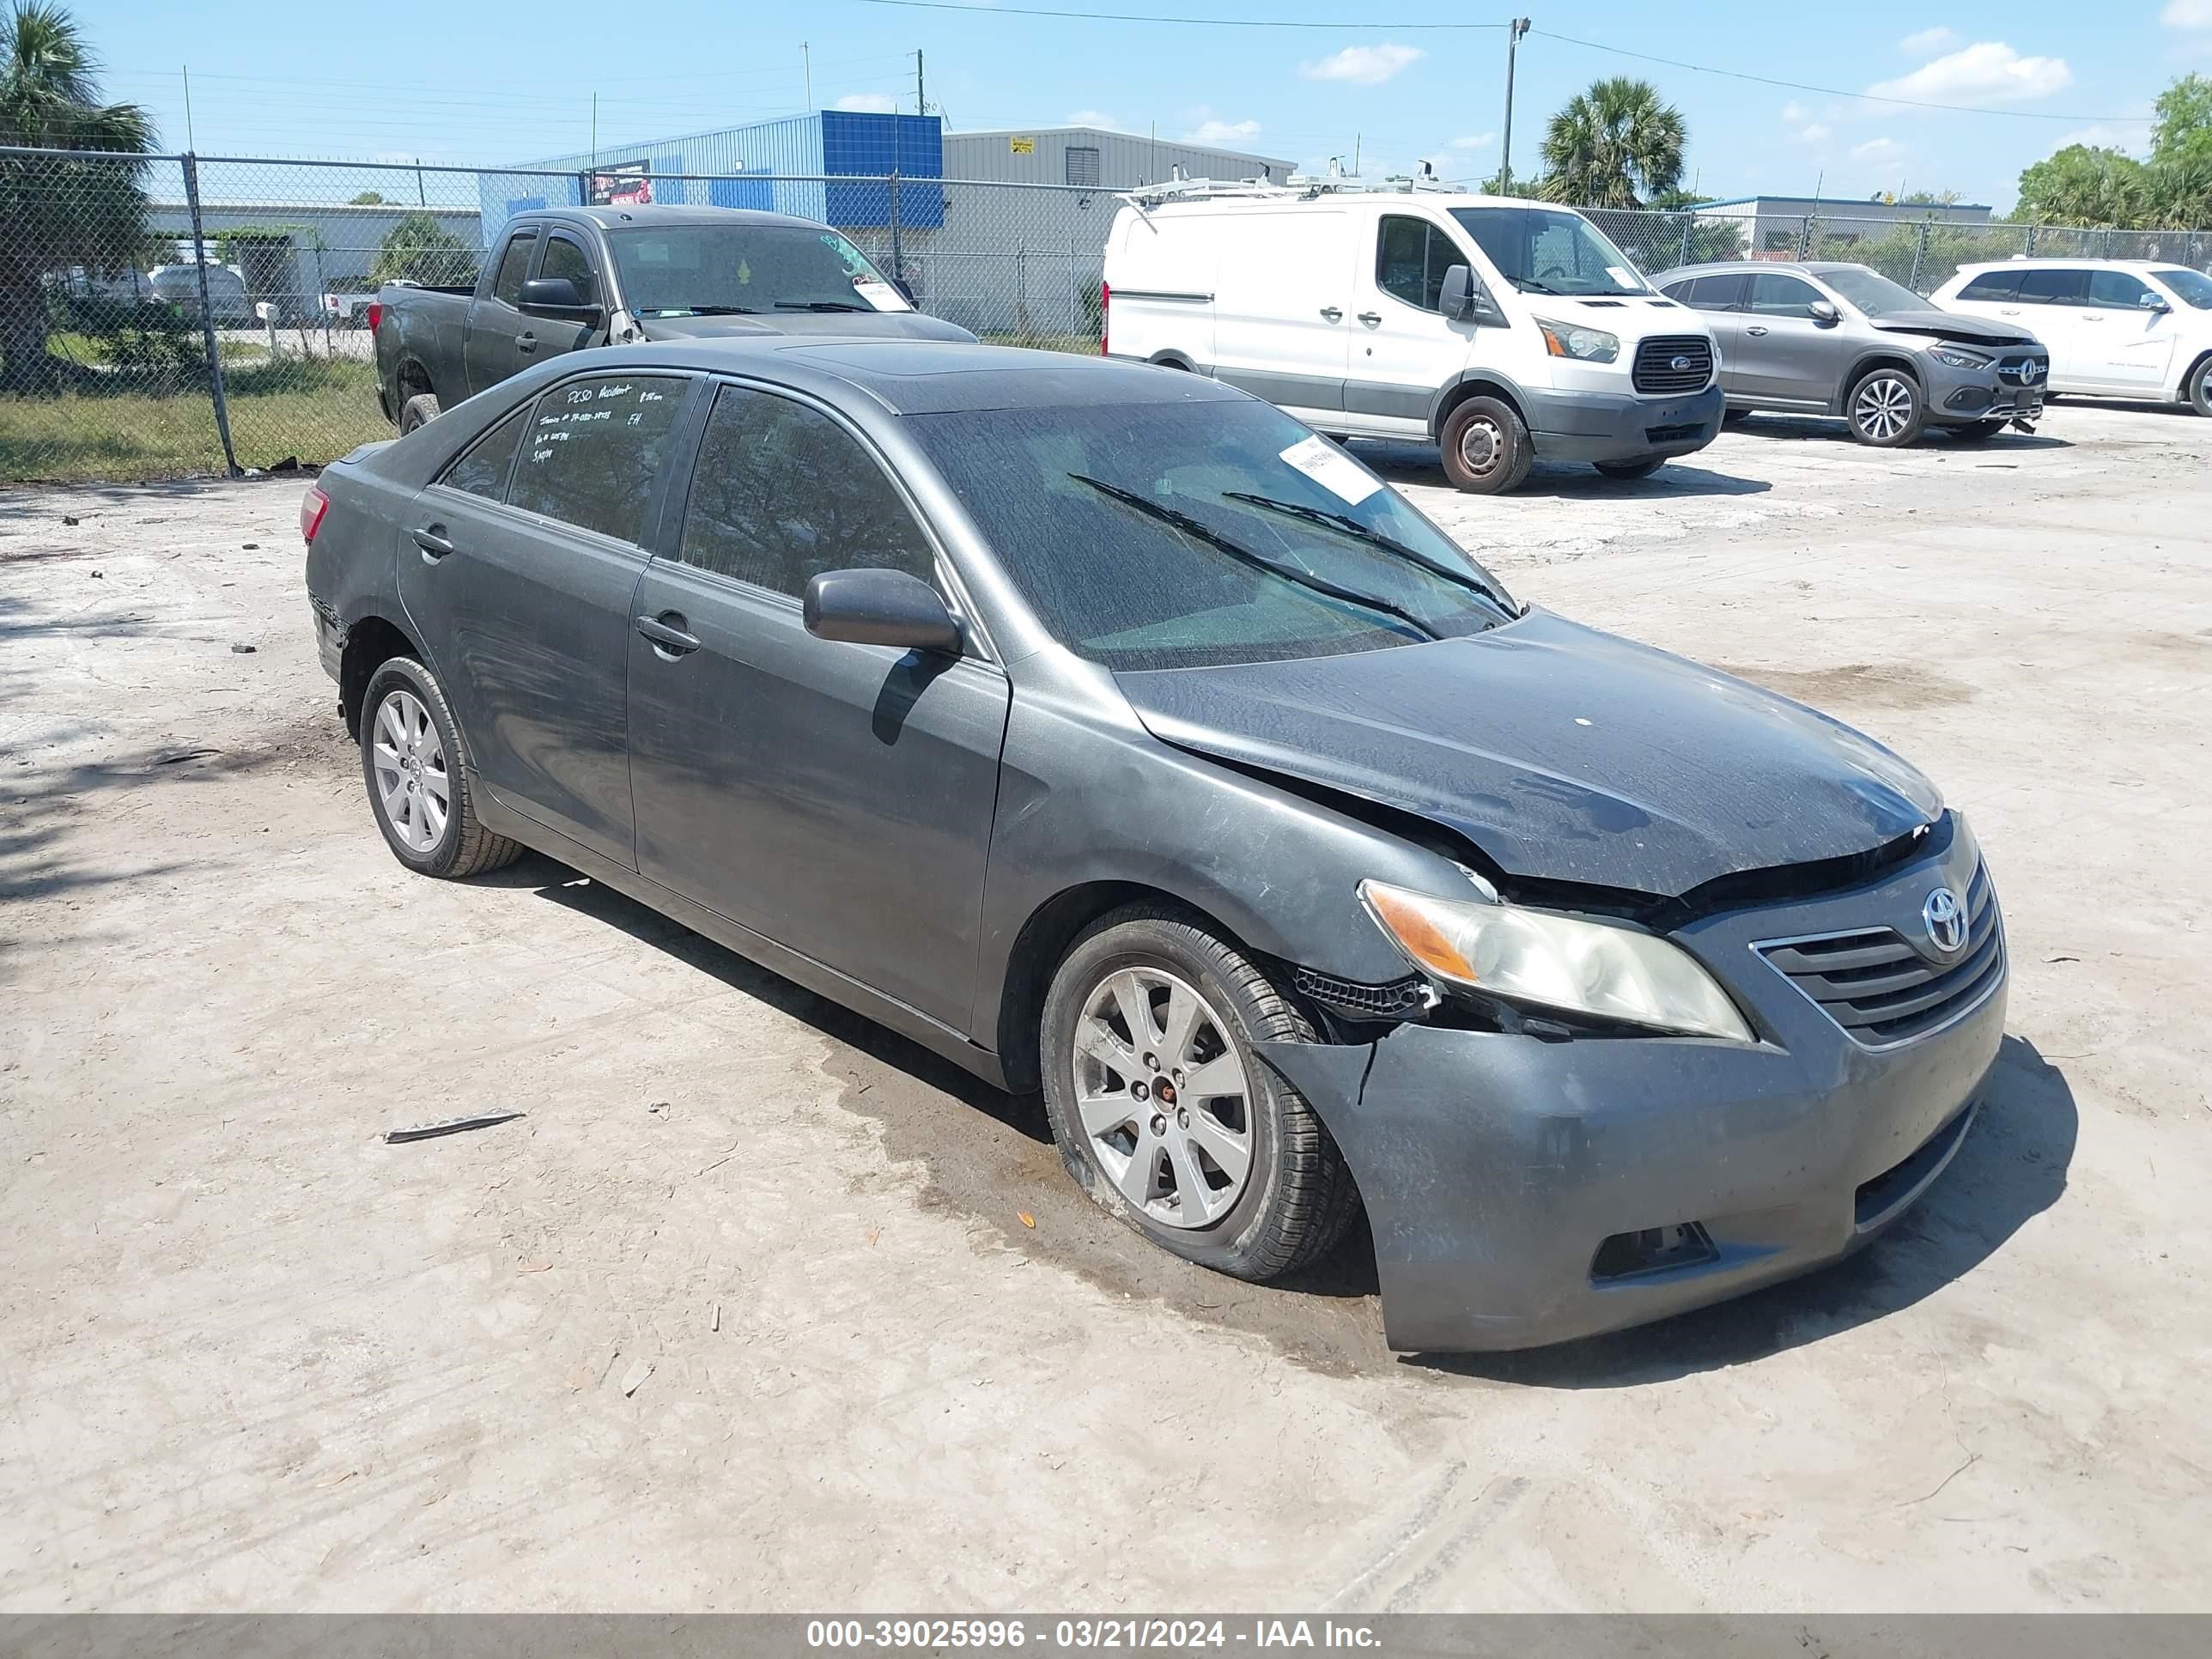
[2008, 310]
[525, 341]
[1372, 318]
[431, 540]
[667, 635]
[2093, 316]
[1756, 328]
[1334, 314]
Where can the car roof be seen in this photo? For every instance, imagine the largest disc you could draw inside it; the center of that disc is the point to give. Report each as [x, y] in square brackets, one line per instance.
[2042, 263]
[636, 216]
[924, 377]
[1732, 267]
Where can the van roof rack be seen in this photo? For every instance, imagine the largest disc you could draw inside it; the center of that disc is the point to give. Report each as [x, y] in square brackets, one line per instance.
[1299, 187]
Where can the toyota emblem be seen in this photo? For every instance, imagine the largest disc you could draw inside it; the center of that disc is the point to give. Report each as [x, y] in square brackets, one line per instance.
[1945, 918]
[1679, 364]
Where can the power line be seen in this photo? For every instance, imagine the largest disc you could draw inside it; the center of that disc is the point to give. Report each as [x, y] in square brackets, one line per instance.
[1800, 86]
[1154, 17]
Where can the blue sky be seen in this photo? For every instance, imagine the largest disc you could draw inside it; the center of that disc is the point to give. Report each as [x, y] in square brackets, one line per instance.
[400, 79]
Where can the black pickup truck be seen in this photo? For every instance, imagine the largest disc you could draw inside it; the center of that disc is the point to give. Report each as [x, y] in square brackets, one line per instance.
[565, 278]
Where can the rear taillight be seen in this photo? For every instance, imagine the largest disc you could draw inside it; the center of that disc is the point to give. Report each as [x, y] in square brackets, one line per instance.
[375, 316]
[312, 506]
[1105, 299]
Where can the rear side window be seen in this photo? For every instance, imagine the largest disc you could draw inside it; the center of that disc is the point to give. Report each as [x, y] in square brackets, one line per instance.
[782, 493]
[482, 467]
[1993, 285]
[1721, 293]
[2053, 288]
[1411, 258]
[565, 257]
[508, 285]
[1774, 295]
[593, 450]
[2118, 289]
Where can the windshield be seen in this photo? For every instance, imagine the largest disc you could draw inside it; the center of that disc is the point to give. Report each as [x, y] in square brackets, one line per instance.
[2191, 287]
[1141, 535]
[676, 269]
[1872, 292]
[1550, 251]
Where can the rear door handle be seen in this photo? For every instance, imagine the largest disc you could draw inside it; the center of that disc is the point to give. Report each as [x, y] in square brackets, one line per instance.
[1335, 314]
[1756, 328]
[431, 540]
[525, 341]
[667, 635]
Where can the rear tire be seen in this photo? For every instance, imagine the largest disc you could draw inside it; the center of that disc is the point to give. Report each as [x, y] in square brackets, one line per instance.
[417, 411]
[1885, 408]
[415, 764]
[2200, 388]
[1268, 1191]
[1486, 447]
[1626, 470]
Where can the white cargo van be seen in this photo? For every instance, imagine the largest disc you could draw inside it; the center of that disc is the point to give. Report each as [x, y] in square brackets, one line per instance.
[1503, 331]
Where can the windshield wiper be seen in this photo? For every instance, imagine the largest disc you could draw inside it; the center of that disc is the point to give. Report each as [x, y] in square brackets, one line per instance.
[1531, 285]
[1199, 530]
[819, 305]
[1375, 538]
[704, 311]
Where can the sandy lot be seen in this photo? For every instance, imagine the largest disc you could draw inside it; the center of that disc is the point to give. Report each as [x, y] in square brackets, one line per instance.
[742, 1315]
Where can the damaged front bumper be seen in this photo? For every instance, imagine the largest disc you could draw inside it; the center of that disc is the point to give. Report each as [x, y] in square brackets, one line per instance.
[1524, 1191]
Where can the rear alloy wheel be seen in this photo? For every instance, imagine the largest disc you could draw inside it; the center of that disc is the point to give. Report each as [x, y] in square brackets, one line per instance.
[1485, 446]
[1886, 410]
[416, 765]
[1164, 1116]
[1629, 470]
[2200, 388]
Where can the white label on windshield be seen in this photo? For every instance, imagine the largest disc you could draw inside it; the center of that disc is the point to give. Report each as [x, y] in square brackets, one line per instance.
[1329, 467]
[879, 293]
[1625, 278]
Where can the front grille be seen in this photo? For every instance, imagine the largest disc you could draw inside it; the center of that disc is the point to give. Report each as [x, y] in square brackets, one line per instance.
[1656, 358]
[1883, 992]
[2013, 369]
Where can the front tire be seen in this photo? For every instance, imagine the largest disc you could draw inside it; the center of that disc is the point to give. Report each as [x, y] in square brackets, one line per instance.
[417, 411]
[1163, 1115]
[1486, 447]
[2200, 388]
[416, 765]
[1626, 470]
[1886, 409]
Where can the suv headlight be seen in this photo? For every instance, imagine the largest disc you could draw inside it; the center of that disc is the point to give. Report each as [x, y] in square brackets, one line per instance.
[1959, 357]
[1595, 967]
[1592, 345]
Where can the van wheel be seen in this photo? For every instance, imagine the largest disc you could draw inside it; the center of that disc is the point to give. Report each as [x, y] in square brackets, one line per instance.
[1627, 470]
[1486, 448]
[2200, 388]
[417, 411]
[1163, 1115]
[1886, 409]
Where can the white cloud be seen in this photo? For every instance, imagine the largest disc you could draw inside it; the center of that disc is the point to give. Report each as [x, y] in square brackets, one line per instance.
[1475, 140]
[1093, 118]
[1812, 133]
[1222, 134]
[1928, 42]
[1879, 149]
[2105, 138]
[1364, 66]
[2187, 14]
[868, 103]
[1988, 72]
[1794, 111]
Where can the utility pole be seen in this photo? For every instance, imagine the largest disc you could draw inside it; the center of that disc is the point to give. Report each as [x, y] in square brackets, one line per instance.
[189, 144]
[1514, 31]
[806, 59]
[921, 103]
[595, 132]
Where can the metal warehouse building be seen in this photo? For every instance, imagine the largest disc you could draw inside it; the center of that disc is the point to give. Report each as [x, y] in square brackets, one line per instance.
[1010, 242]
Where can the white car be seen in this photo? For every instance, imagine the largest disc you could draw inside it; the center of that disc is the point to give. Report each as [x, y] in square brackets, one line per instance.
[1502, 331]
[2121, 328]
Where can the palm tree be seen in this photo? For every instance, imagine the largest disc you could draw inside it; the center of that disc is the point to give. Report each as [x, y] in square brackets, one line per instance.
[59, 212]
[1613, 145]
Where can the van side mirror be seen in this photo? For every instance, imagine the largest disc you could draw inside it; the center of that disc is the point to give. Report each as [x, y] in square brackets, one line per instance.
[879, 607]
[554, 296]
[1463, 301]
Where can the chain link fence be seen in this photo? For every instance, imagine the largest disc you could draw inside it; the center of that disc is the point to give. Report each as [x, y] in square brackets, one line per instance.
[171, 315]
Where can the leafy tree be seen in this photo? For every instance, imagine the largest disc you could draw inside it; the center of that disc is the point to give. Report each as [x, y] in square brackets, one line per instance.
[58, 213]
[2104, 189]
[368, 199]
[2183, 123]
[1613, 145]
[418, 249]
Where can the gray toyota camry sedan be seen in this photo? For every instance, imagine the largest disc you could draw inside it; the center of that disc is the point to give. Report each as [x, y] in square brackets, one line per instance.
[1104, 729]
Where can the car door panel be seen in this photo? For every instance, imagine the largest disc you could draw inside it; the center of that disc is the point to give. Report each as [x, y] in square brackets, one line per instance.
[492, 349]
[1784, 357]
[1717, 298]
[2135, 340]
[1404, 349]
[2050, 307]
[1283, 306]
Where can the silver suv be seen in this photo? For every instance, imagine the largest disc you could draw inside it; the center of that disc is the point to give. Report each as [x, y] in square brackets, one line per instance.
[1824, 338]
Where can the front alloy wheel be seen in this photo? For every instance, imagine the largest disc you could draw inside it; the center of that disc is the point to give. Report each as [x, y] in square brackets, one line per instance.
[1886, 409]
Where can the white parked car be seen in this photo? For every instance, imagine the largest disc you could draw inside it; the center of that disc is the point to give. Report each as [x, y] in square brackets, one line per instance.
[1502, 331]
[2126, 328]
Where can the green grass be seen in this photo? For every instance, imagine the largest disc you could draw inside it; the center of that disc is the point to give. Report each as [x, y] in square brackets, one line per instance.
[314, 411]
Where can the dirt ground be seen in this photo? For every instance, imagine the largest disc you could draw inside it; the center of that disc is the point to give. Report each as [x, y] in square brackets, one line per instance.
[744, 1314]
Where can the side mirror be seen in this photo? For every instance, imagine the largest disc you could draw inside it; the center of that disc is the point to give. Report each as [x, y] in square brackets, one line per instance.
[2151, 302]
[1824, 313]
[554, 296]
[879, 607]
[1458, 298]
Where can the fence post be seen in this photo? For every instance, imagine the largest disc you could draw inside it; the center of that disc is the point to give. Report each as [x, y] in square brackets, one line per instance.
[1919, 257]
[207, 314]
[1805, 238]
[1689, 223]
[2107, 243]
[898, 265]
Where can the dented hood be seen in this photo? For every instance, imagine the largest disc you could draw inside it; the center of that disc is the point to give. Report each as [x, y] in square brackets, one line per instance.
[1954, 325]
[1563, 753]
[864, 325]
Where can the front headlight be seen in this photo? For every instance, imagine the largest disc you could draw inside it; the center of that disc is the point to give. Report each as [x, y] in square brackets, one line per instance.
[1592, 345]
[1959, 357]
[1554, 960]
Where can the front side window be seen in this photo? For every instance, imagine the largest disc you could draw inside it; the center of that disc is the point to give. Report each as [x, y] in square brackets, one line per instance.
[1411, 258]
[1775, 295]
[566, 257]
[1993, 285]
[2118, 289]
[592, 455]
[512, 264]
[677, 271]
[2053, 288]
[1550, 251]
[2192, 288]
[483, 468]
[1142, 535]
[782, 493]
